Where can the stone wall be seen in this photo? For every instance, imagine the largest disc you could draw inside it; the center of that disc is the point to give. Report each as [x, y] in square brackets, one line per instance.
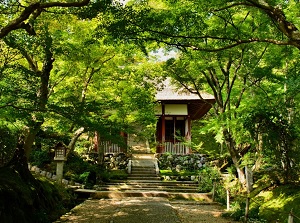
[178, 162]
[116, 161]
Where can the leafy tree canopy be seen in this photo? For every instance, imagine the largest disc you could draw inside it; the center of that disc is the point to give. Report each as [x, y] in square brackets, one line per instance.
[210, 25]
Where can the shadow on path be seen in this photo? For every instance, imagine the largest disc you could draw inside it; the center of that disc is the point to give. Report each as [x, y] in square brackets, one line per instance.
[127, 210]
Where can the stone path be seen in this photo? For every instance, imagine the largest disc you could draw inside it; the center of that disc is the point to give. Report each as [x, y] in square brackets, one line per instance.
[143, 210]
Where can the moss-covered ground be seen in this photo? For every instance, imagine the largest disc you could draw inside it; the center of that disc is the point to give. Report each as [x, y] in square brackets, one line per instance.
[275, 203]
[29, 200]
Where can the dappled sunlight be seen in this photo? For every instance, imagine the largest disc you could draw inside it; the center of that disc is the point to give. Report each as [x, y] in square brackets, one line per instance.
[144, 209]
[200, 213]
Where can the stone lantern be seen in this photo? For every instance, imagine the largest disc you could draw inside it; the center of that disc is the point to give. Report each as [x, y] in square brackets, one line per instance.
[60, 158]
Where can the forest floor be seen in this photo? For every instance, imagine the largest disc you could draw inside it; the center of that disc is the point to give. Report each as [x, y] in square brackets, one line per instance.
[148, 210]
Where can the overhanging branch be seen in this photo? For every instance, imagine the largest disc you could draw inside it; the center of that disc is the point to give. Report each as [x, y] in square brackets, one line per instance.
[19, 22]
[229, 46]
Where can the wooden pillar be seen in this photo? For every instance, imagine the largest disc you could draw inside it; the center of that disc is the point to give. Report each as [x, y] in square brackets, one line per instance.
[228, 199]
[189, 138]
[291, 217]
[163, 129]
[123, 148]
[174, 130]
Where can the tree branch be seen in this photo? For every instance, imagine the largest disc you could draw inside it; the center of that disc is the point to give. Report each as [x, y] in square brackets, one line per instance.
[74, 139]
[55, 84]
[229, 46]
[215, 89]
[232, 6]
[36, 9]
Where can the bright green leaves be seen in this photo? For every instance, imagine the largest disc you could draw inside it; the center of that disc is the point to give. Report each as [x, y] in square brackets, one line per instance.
[209, 25]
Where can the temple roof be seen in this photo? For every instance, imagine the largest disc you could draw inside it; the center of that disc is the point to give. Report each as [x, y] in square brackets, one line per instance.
[198, 107]
[170, 92]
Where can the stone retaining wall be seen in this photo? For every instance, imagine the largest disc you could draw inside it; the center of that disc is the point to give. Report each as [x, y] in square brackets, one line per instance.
[178, 162]
[53, 177]
[116, 161]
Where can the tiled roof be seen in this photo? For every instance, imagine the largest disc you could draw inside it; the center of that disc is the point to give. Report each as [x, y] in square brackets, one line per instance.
[169, 92]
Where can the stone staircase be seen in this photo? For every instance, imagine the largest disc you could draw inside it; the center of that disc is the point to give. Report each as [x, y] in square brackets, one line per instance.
[144, 177]
[144, 181]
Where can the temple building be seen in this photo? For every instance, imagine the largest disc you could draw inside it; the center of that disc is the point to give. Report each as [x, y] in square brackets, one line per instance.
[176, 111]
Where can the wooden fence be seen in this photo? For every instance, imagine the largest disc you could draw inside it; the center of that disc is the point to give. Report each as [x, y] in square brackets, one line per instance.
[110, 147]
[177, 148]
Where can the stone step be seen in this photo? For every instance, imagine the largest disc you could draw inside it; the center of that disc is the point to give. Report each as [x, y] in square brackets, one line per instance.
[143, 178]
[145, 169]
[204, 197]
[149, 187]
[179, 190]
[143, 156]
[149, 184]
[142, 163]
[154, 182]
[143, 175]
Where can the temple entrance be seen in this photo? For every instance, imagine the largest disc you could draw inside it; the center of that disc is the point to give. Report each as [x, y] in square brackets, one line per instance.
[175, 129]
[171, 132]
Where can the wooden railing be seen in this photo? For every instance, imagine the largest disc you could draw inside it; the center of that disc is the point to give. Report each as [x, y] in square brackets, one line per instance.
[110, 147]
[177, 148]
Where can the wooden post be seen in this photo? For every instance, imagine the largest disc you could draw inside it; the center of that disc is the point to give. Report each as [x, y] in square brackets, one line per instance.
[228, 199]
[249, 185]
[247, 209]
[163, 128]
[189, 132]
[291, 217]
[100, 148]
[214, 190]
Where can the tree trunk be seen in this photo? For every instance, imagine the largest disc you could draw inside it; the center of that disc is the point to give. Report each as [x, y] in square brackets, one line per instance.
[30, 137]
[42, 93]
[100, 148]
[74, 139]
[229, 141]
[259, 155]
[19, 162]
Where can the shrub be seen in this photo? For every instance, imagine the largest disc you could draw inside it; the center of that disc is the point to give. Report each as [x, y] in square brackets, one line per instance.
[117, 174]
[8, 142]
[40, 158]
[207, 177]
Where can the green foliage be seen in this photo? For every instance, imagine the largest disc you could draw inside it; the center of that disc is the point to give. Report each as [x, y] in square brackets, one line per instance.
[187, 162]
[75, 165]
[101, 83]
[277, 203]
[40, 158]
[236, 212]
[207, 176]
[208, 26]
[8, 142]
[280, 139]
[85, 178]
[205, 142]
[270, 205]
[117, 175]
[78, 170]
[28, 200]
[178, 173]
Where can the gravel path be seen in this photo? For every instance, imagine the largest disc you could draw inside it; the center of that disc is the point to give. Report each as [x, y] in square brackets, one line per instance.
[143, 210]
